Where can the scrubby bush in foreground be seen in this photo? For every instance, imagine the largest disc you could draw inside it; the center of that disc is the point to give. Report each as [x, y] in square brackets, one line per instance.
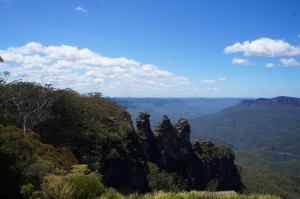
[185, 195]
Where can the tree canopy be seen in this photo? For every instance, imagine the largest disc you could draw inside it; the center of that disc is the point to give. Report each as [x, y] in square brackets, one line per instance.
[27, 103]
[92, 130]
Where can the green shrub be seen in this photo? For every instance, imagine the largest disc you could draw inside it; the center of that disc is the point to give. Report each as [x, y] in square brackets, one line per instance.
[79, 183]
[161, 180]
[57, 188]
[212, 185]
[28, 192]
[111, 193]
[86, 186]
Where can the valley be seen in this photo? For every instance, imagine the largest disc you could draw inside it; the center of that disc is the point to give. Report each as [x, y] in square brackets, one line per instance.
[175, 108]
[264, 134]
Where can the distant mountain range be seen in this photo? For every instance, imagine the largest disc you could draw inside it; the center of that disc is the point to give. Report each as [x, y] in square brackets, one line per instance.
[175, 108]
[282, 100]
[269, 124]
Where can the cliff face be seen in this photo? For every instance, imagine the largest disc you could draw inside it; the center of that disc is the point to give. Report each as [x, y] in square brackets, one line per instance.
[144, 131]
[183, 132]
[201, 164]
[219, 165]
[171, 143]
[282, 100]
[166, 142]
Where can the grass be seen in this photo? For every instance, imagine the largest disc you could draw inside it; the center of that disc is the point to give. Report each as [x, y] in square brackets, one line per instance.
[185, 195]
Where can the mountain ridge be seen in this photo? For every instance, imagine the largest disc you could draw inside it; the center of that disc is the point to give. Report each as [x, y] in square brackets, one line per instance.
[175, 108]
[280, 100]
[269, 124]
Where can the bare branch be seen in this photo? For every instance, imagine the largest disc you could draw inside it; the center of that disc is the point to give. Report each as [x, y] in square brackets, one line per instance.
[29, 103]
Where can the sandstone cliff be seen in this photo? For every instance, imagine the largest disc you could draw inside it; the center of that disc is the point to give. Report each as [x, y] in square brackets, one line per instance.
[203, 164]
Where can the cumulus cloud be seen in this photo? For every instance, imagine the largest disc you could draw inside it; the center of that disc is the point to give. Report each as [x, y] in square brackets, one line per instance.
[289, 62]
[85, 70]
[208, 81]
[264, 47]
[80, 9]
[269, 65]
[240, 61]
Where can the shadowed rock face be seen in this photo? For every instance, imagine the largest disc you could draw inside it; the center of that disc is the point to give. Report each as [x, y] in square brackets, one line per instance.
[144, 130]
[146, 137]
[196, 147]
[170, 148]
[166, 141]
[183, 131]
[221, 165]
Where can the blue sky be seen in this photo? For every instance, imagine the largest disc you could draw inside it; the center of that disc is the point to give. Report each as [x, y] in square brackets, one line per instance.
[155, 48]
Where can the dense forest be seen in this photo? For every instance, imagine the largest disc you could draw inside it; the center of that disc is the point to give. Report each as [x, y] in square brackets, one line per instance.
[57, 141]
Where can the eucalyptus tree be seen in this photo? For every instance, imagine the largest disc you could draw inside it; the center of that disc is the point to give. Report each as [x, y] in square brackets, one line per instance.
[1, 79]
[27, 103]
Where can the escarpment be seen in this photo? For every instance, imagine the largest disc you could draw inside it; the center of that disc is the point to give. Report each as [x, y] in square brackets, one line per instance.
[203, 164]
[166, 142]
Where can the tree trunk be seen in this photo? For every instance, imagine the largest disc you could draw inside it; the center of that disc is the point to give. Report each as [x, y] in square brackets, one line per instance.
[25, 129]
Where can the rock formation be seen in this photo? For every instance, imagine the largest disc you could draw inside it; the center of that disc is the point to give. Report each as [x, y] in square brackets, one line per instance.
[170, 148]
[221, 166]
[183, 131]
[146, 137]
[144, 130]
[166, 142]
[196, 147]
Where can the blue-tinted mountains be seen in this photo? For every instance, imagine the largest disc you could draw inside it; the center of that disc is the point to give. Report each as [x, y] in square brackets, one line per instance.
[269, 124]
[282, 100]
[265, 134]
[175, 108]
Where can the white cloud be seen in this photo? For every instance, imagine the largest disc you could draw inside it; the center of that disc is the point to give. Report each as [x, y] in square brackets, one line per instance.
[222, 79]
[269, 65]
[264, 47]
[80, 9]
[215, 89]
[208, 81]
[84, 70]
[289, 62]
[240, 61]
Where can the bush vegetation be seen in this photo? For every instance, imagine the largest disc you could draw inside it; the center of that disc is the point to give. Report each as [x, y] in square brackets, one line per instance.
[185, 195]
[84, 143]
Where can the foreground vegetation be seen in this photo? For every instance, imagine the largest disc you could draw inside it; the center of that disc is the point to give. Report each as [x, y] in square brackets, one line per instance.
[185, 195]
[84, 143]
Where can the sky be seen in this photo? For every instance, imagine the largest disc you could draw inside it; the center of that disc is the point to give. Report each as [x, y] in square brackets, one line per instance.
[154, 48]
